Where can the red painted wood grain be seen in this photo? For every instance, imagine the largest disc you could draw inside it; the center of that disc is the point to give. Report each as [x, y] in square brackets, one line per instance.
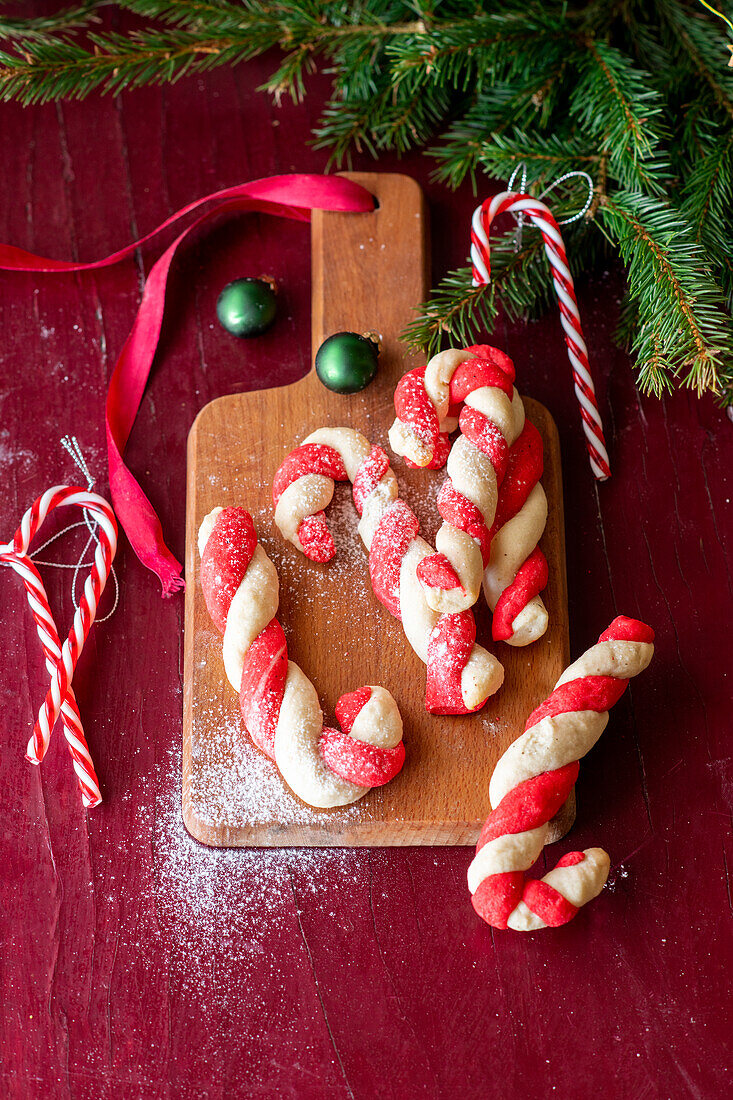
[136, 963]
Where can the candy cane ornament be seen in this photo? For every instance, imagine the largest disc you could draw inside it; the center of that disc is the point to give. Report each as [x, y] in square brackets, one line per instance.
[534, 778]
[323, 767]
[460, 674]
[70, 717]
[518, 203]
[87, 609]
[61, 660]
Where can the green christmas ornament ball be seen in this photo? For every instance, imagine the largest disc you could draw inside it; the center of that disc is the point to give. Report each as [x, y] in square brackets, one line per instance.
[247, 307]
[347, 362]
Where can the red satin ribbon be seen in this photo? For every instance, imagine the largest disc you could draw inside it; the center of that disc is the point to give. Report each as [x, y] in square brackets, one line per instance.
[284, 196]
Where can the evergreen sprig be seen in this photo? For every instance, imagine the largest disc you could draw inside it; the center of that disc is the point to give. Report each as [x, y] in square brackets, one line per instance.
[521, 283]
[636, 93]
[682, 325]
[43, 26]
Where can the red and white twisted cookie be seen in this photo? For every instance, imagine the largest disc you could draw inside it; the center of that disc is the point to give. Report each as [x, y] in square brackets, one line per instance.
[426, 401]
[324, 767]
[492, 421]
[533, 779]
[460, 674]
[517, 569]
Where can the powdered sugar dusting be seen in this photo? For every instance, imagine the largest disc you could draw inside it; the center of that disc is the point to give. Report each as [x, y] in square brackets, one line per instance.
[19, 458]
[234, 785]
[226, 902]
[348, 571]
[421, 493]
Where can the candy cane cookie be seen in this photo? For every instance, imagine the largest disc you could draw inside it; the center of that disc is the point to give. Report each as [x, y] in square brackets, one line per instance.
[480, 379]
[533, 779]
[323, 767]
[517, 569]
[460, 674]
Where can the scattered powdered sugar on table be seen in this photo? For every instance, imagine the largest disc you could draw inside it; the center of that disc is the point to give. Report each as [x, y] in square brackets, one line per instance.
[232, 783]
[223, 906]
[19, 458]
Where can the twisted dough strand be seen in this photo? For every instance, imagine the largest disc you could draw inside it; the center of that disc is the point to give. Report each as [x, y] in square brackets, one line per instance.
[492, 492]
[324, 767]
[460, 674]
[480, 379]
[533, 779]
[517, 569]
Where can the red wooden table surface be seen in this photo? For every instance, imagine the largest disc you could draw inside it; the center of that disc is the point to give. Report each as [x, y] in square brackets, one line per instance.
[136, 963]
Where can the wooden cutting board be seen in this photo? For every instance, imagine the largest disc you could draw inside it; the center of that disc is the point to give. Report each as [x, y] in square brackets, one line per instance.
[369, 270]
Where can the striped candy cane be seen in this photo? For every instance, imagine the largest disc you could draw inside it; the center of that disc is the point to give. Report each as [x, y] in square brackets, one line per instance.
[518, 203]
[61, 660]
[48, 634]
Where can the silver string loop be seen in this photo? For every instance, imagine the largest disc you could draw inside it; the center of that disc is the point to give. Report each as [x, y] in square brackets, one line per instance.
[71, 445]
[576, 174]
[522, 187]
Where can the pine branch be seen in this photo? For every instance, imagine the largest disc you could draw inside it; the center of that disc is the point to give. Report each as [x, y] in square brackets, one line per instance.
[521, 284]
[634, 92]
[469, 53]
[296, 21]
[616, 103]
[683, 327]
[44, 27]
[200, 36]
[544, 157]
[222, 15]
[381, 122]
[58, 68]
[700, 41]
[708, 190]
[464, 146]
